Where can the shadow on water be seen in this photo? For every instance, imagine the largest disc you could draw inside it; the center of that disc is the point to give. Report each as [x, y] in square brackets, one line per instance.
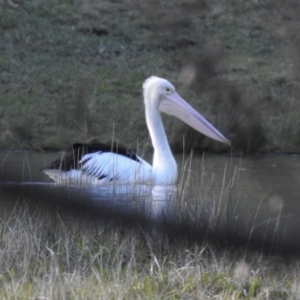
[219, 200]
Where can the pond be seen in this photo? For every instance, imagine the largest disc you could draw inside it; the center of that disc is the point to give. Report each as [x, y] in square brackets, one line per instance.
[252, 201]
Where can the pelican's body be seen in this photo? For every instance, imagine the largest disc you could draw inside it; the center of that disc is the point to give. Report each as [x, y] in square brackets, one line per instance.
[96, 164]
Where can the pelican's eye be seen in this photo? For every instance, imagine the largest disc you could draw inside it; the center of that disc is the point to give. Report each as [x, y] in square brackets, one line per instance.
[168, 90]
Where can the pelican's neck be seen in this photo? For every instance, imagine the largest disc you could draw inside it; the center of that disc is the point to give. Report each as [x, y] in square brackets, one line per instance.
[164, 164]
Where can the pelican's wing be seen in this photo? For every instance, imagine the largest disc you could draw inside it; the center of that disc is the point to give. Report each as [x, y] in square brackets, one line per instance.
[99, 163]
[109, 166]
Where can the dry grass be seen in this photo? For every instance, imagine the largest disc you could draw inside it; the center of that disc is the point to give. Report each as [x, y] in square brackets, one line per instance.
[46, 256]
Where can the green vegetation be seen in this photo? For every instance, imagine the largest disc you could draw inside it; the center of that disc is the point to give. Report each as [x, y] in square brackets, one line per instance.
[72, 71]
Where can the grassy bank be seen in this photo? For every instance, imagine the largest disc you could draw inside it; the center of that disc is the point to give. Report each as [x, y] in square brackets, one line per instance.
[46, 256]
[72, 71]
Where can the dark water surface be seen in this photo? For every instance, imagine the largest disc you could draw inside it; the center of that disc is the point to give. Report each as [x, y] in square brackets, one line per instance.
[249, 201]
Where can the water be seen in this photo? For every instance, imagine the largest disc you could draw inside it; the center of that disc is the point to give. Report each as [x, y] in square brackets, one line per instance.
[252, 201]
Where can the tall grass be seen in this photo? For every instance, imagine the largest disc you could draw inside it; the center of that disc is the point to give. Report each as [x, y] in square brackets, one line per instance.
[44, 255]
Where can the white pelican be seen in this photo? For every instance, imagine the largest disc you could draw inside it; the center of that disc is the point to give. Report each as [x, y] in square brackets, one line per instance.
[96, 164]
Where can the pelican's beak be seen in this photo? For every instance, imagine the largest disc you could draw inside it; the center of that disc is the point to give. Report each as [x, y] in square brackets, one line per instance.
[175, 106]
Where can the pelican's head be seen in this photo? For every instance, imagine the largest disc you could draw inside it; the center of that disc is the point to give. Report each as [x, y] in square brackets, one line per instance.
[156, 89]
[160, 94]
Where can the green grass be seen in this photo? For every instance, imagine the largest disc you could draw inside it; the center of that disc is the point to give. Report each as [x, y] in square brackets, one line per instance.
[72, 71]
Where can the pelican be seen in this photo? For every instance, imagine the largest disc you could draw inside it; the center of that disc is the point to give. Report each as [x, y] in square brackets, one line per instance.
[98, 163]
